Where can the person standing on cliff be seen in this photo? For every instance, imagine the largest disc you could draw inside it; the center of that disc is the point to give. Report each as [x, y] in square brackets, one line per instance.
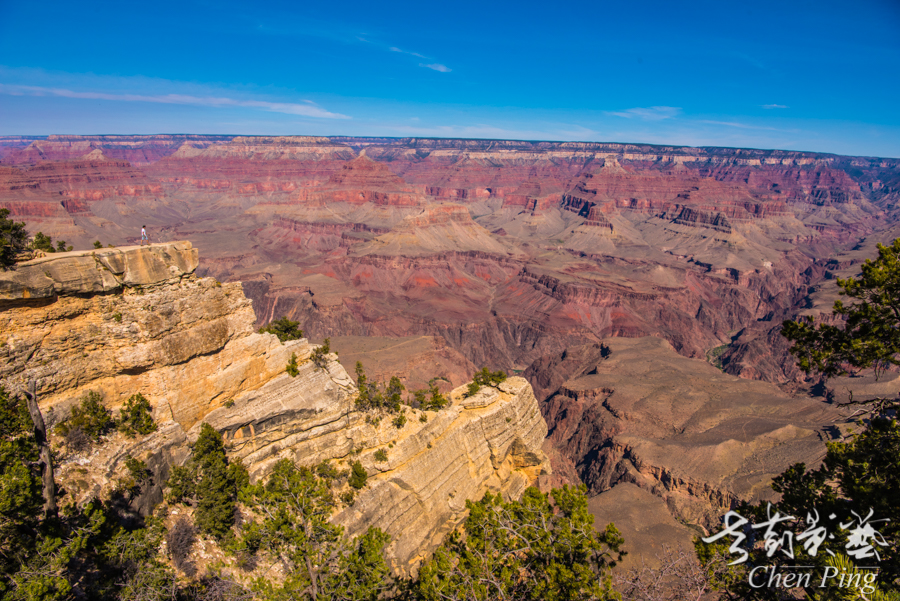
[144, 236]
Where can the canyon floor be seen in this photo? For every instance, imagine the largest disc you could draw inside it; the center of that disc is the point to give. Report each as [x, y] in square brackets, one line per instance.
[640, 289]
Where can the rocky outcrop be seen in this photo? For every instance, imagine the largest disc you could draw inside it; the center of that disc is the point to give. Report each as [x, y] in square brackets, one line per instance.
[138, 319]
[102, 270]
[488, 442]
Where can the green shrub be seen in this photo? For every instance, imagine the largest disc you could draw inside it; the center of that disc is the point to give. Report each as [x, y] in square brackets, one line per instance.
[400, 420]
[117, 316]
[136, 417]
[42, 242]
[98, 244]
[436, 402]
[326, 471]
[381, 455]
[540, 547]
[284, 328]
[485, 377]
[372, 396]
[89, 417]
[228, 404]
[292, 368]
[358, 475]
[13, 238]
[291, 523]
[138, 476]
[320, 354]
[182, 484]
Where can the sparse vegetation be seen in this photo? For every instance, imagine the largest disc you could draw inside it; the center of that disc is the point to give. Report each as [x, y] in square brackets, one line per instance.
[320, 354]
[292, 369]
[98, 244]
[381, 455]
[89, 421]
[284, 328]
[294, 504]
[136, 416]
[399, 421]
[138, 476]
[714, 355]
[358, 475]
[485, 377]
[45, 243]
[13, 239]
[374, 397]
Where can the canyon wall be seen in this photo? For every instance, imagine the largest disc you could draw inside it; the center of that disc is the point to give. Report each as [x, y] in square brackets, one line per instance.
[138, 319]
[507, 250]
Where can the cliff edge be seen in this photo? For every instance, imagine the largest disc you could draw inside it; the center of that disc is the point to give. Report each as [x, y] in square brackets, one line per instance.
[137, 319]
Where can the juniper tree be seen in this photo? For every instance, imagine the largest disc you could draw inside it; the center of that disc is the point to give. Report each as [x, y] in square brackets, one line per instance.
[539, 548]
[320, 562]
[284, 328]
[13, 239]
[859, 474]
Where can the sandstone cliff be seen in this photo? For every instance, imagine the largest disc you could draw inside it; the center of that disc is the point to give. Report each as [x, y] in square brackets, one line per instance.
[137, 319]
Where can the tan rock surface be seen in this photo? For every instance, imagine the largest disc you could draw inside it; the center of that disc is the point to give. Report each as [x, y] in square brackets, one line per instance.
[101, 270]
[188, 344]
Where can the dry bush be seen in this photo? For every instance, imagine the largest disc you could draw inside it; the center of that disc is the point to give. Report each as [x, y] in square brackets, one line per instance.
[217, 589]
[180, 540]
[679, 577]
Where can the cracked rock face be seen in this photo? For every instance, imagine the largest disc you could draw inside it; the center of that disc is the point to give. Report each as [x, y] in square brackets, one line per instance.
[123, 321]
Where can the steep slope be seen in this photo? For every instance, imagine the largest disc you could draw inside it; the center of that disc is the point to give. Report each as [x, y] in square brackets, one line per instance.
[633, 411]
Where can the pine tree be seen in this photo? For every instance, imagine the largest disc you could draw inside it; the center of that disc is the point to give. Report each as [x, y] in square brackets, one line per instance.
[215, 491]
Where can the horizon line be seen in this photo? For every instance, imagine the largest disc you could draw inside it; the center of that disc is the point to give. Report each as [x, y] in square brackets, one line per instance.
[474, 139]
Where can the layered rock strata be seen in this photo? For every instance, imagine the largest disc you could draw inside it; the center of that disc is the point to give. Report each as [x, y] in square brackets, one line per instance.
[122, 321]
[633, 411]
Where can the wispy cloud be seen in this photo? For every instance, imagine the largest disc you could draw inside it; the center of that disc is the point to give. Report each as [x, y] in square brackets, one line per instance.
[743, 125]
[437, 67]
[416, 54]
[774, 106]
[434, 66]
[650, 113]
[308, 109]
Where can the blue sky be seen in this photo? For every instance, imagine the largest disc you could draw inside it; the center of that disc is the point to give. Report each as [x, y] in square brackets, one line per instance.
[820, 76]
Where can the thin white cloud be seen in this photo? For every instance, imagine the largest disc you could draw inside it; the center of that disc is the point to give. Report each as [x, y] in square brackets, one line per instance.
[743, 125]
[774, 106]
[305, 110]
[416, 54]
[650, 113]
[437, 67]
